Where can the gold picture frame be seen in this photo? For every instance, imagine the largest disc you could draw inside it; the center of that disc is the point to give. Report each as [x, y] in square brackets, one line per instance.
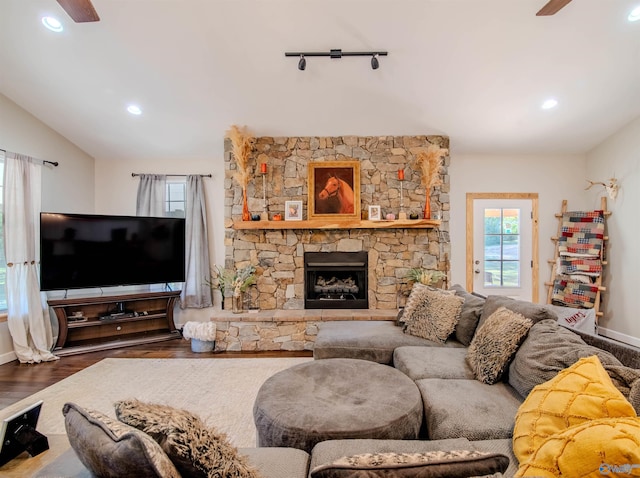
[334, 190]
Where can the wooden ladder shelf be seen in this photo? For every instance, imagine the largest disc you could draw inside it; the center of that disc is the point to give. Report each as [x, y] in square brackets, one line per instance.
[554, 262]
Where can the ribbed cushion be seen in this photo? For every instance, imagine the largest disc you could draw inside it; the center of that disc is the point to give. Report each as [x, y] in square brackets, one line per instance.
[577, 394]
[468, 408]
[432, 362]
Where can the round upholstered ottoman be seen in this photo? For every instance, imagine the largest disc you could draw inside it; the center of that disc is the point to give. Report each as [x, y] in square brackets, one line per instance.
[336, 398]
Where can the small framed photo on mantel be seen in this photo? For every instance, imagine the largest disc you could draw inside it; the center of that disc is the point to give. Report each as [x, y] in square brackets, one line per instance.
[293, 211]
[374, 213]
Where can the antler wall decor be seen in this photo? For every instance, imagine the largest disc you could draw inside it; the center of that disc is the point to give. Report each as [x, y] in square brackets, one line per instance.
[611, 186]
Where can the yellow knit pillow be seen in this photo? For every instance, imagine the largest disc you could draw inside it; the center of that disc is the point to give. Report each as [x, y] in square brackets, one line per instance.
[579, 393]
[597, 448]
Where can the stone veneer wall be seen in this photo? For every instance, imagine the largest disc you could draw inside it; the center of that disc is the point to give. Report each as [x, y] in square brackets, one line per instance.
[278, 254]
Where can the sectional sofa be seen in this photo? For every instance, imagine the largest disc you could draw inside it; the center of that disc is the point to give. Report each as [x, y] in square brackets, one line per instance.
[469, 424]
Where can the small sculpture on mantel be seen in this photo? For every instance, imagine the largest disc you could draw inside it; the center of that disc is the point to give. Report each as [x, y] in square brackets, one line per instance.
[611, 187]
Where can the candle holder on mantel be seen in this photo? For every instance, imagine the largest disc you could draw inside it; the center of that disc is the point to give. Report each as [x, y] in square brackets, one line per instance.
[265, 214]
[402, 216]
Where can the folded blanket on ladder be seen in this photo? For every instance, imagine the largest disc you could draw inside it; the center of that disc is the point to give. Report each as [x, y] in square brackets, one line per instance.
[568, 265]
[582, 234]
[574, 294]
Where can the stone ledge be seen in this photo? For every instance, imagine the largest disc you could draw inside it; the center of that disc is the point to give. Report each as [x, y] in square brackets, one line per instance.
[305, 315]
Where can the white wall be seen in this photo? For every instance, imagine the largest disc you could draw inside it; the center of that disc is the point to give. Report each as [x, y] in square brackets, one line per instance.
[554, 178]
[68, 188]
[116, 191]
[619, 157]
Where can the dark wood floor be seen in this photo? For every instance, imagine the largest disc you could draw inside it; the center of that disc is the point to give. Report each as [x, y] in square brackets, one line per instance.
[18, 381]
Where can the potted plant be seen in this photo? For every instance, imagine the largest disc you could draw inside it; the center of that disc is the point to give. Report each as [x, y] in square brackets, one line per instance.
[201, 334]
[425, 276]
[232, 283]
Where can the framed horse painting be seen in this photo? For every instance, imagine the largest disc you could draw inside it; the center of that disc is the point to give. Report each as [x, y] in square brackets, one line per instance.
[334, 190]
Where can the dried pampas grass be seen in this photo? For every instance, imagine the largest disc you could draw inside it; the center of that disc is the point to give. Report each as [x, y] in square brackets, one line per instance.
[430, 163]
[242, 143]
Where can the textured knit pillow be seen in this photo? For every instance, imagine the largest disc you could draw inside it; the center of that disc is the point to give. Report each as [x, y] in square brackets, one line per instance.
[431, 313]
[197, 451]
[441, 464]
[108, 448]
[577, 394]
[603, 447]
[494, 344]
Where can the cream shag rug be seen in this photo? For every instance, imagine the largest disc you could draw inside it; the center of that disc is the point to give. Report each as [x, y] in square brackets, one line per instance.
[220, 391]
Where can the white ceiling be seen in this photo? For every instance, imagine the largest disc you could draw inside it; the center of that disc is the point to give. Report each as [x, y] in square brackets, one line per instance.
[475, 70]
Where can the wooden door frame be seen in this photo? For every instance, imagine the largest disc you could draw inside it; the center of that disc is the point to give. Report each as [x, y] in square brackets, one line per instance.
[535, 270]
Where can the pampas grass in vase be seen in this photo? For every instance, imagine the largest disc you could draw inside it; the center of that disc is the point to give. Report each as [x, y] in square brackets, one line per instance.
[241, 146]
[430, 164]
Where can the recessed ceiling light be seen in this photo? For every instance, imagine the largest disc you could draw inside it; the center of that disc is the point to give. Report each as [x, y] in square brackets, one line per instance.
[634, 16]
[549, 104]
[134, 109]
[52, 24]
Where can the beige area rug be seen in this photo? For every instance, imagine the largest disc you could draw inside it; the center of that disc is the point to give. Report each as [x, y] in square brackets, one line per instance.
[220, 391]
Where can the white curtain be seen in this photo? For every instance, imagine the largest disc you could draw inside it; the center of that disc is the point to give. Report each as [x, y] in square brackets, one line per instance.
[28, 313]
[196, 293]
[151, 195]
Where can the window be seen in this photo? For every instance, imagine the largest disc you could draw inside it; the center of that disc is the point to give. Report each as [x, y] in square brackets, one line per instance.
[3, 261]
[176, 198]
[502, 247]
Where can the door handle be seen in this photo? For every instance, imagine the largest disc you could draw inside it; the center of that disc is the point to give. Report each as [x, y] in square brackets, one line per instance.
[477, 271]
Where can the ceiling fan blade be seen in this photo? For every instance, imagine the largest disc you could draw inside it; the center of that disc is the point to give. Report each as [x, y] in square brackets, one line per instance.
[80, 11]
[552, 7]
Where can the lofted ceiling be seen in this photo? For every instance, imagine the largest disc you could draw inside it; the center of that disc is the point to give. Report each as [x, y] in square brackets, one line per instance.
[475, 70]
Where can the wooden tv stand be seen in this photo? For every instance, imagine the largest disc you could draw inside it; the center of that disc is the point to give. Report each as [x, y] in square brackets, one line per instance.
[113, 321]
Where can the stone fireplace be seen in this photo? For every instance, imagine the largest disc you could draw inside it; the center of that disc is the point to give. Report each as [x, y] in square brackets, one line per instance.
[335, 280]
[279, 253]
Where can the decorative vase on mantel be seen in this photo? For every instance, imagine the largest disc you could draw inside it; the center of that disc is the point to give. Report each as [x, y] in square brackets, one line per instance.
[237, 302]
[427, 206]
[245, 207]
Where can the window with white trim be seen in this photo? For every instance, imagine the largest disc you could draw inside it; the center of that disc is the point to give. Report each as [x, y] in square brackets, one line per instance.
[176, 197]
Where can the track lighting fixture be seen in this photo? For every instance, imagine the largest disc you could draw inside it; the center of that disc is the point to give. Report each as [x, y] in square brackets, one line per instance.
[337, 53]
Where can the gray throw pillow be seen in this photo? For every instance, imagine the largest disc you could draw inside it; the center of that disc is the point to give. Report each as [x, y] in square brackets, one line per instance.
[440, 464]
[432, 314]
[110, 449]
[548, 349]
[469, 315]
[494, 344]
[196, 450]
[535, 312]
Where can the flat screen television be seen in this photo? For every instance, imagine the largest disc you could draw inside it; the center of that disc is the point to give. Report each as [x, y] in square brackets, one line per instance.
[80, 251]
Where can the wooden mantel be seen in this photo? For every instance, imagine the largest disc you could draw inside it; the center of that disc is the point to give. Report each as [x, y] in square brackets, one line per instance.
[341, 224]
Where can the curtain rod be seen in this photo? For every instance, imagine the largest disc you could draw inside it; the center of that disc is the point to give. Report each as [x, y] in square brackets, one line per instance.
[44, 161]
[133, 175]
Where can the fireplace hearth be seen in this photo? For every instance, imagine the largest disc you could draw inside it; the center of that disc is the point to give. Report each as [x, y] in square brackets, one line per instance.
[336, 280]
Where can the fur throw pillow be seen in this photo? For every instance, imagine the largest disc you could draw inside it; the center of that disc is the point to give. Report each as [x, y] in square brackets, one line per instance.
[196, 450]
[432, 313]
[495, 343]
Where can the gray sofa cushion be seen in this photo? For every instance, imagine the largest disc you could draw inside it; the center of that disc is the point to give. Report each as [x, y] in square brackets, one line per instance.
[548, 349]
[373, 340]
[532, 311]
[278, 462]
[432, 362]
[468, 408]
[270, 462]
[469, 316]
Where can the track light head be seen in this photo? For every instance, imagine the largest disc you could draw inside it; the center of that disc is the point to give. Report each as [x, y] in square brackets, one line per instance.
[375, 64]
[302, 64]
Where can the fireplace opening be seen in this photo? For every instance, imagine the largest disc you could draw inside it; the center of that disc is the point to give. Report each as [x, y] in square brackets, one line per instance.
[336, 280]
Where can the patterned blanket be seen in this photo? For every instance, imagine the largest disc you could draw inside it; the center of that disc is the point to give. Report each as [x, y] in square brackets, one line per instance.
[579, 265]
[574, 294]
[582, 234]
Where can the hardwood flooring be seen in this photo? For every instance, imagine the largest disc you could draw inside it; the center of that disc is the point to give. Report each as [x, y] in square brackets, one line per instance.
[18, 381]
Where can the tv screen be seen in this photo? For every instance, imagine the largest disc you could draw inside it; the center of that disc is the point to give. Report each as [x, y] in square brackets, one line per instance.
[84, 251]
